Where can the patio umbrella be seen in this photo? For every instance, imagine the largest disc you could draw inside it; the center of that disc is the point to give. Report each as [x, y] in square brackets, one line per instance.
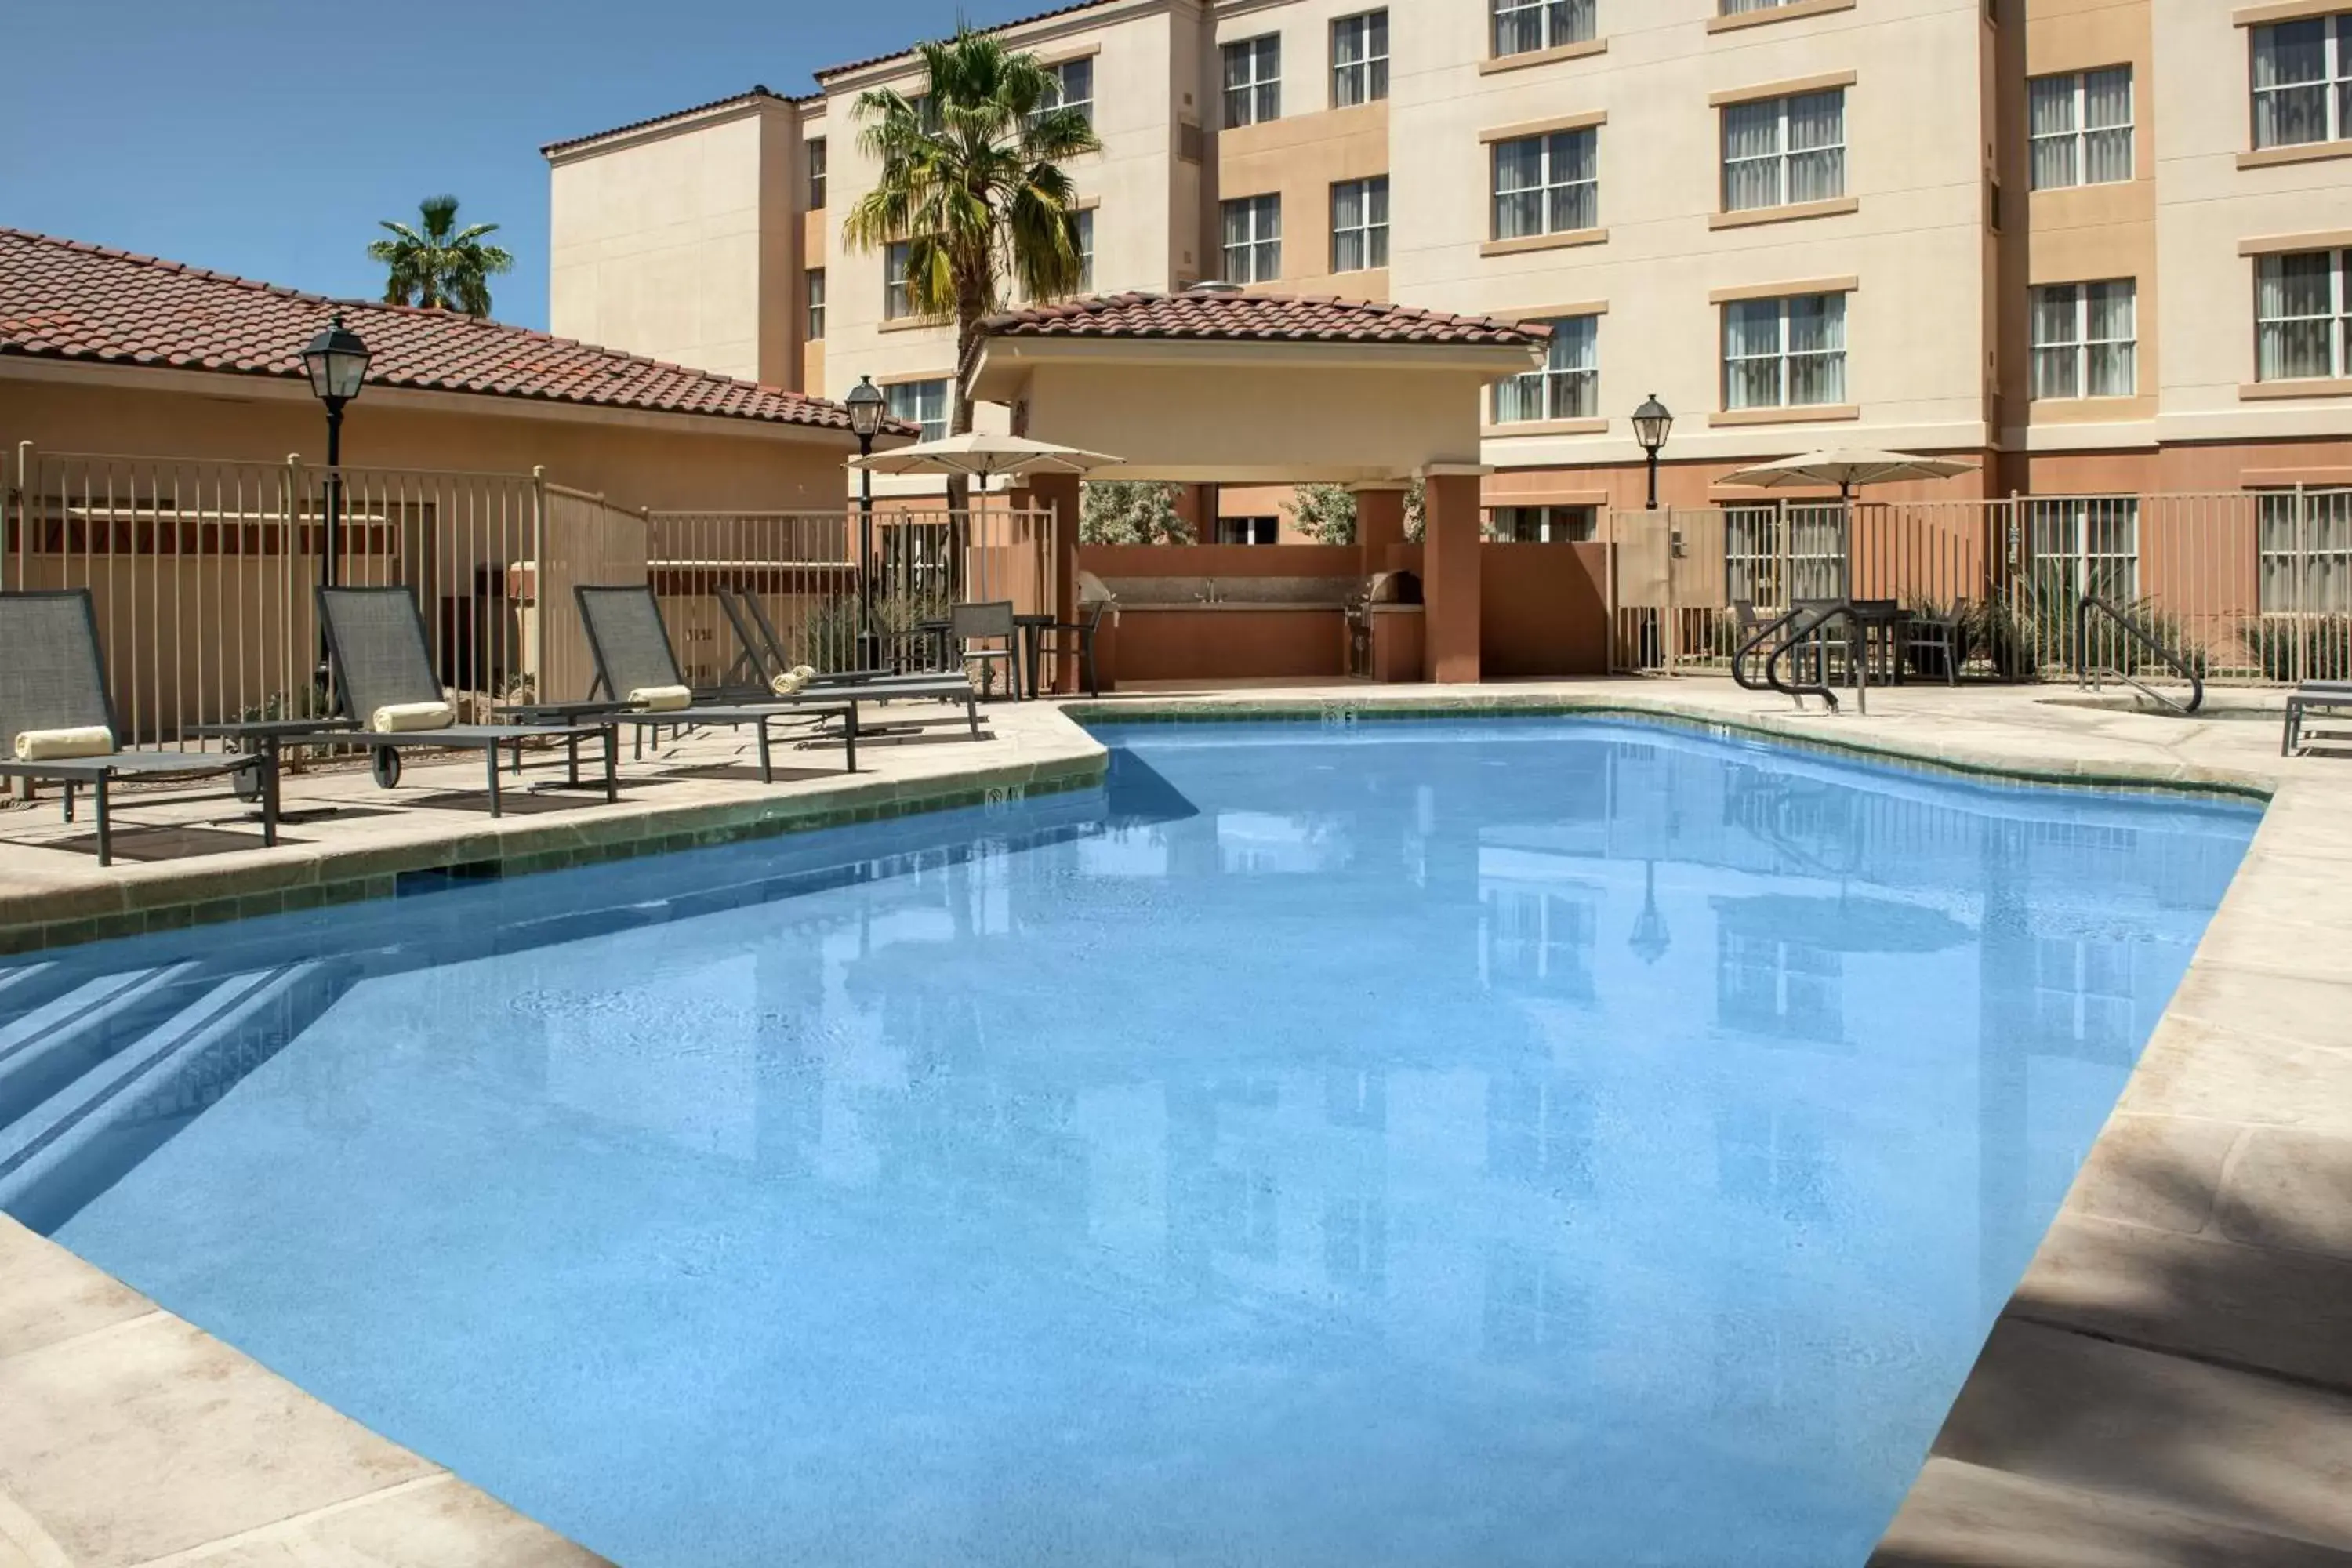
[1846, 467]
[982, 455]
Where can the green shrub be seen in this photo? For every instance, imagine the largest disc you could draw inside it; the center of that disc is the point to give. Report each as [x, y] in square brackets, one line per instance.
[2300, 648]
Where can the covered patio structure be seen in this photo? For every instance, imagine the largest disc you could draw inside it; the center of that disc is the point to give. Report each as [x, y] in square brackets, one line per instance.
[1217, 386]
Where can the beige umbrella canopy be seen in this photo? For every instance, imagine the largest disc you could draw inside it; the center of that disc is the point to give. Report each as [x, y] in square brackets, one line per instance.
[1846, 467]
[982, 455]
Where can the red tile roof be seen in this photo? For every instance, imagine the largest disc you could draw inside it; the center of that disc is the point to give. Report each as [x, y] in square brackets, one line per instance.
[61, 299]
[759, 92]
[1278, 318]
[992, 28]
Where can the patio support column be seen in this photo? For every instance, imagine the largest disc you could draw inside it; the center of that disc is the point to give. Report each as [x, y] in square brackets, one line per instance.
[1060, 492]
[1449, 573]
[1379, 522]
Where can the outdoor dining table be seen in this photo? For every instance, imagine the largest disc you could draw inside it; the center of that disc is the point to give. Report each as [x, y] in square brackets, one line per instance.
[1883, 627]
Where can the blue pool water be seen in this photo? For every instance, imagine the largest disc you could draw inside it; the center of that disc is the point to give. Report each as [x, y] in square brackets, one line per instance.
[1513, 1143]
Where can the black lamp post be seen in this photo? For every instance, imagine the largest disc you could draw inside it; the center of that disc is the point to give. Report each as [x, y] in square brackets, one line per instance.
[337, 361]
[867, 408]
[1652, 422]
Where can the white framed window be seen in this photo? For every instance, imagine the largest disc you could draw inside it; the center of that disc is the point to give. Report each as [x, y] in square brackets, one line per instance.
[1547, 184]
[1254, 81]
[1072, 87]
[2080, 126]
[2086, 339]
[1567, 387]
[1523, 26]
[897, 302]
[2306, 543]
[1741, 7]
[2088, 544]
[923, 402]
[1253, 240]
[1360, 224]
[2302, 81]
[1360, 59]
[1778, 151]
[2303, 316]
[816, 166]
[1544, 524]
[815, 290]
[1249, 530]
[1784, 353]
[1083, 220]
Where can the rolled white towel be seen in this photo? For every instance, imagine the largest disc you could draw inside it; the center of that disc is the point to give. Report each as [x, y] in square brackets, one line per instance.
[786, 684]
[660, 699]
[57, 745]
[805, 671]
[403, 718]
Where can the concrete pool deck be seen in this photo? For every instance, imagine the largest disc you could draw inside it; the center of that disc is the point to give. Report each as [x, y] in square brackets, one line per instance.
[2170, 1385]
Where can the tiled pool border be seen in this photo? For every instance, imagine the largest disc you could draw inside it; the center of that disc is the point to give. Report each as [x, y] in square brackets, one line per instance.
[276, 882]
[1946, 761]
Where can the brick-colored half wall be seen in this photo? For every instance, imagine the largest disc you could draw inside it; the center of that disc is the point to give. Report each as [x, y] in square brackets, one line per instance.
[1544, 610]
[1225, 644]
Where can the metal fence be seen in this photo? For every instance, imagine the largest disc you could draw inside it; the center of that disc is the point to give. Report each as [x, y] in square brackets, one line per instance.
[2251, 587]
[802, 569]
[201, 574]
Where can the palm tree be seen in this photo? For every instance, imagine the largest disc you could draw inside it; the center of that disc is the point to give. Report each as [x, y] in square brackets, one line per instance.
[440, 266]
[971, 182]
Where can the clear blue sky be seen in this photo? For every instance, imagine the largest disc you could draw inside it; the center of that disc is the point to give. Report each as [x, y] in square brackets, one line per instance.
[267, 137]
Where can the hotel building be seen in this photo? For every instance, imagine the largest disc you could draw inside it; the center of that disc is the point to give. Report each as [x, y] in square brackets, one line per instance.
[2098, 246]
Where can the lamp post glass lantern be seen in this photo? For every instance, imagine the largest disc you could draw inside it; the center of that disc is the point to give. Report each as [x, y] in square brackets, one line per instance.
[1651, 424]
[867, 407]
[337, 363]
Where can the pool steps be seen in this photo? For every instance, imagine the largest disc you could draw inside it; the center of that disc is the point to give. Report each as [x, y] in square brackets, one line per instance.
[102, 1076]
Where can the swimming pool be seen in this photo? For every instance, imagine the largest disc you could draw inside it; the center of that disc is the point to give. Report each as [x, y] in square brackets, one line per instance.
[1514, 1141]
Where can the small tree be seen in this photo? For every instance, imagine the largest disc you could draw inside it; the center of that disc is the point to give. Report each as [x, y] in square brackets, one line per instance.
[438, 264]
[1327, 514]
[1131, 512]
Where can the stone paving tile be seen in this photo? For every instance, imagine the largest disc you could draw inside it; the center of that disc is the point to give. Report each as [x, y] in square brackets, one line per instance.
[2164, 1171]
[2300, 1009]
[1967, 1516]
[2290, 1190]
[437, 1522]
[2234, 1447]
[153, 1437]
[47, 1294]
[2261, 1308]
[2195, 1068]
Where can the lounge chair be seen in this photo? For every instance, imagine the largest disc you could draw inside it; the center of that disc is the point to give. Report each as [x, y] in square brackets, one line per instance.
[52, 700]
[2313, 697]
[385, 685]
[761, 657]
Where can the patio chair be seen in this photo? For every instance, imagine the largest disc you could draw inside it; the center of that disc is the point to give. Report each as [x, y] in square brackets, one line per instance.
[762, 655]
[1056, 638]
[985, 623]
[385, 684]
[1946, 636]
[56, 723]
[2332, 698]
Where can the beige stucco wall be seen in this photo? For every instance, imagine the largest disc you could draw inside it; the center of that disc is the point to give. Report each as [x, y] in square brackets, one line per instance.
[637, 460]
[682, 242]
[2206, 205]
[1142, 235]
[1914, 333]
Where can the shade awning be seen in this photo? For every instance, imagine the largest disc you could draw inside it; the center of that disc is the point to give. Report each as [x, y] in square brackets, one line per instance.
[983, 455]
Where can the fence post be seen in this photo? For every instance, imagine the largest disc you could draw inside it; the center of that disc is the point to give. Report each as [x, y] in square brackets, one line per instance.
[540, 576]
[12, 521]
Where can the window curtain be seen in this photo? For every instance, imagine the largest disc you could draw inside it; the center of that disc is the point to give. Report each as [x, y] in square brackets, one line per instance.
[1574, 367]
[1751, 156]
[1817, 349]
[1572, 21]
[2111, 313]
[2051, 115]
[2292, 299]
[1752, 354]
[2106, 126]
[1575, 172]
[2291, 83]
[2057, 359]
[1376, 222]
[1348, 216]
[1518, 188]
[1817, 147]
[1519, 27]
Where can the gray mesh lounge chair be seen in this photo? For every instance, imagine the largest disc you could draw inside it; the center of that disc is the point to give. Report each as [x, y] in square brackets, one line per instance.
[375, 639]
[2312, 699]
[632, 650]
[761, 655]
[53, 677]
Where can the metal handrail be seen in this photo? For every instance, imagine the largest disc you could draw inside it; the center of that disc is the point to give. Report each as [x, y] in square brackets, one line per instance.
[1844, 611]
[1739, 675]
[2089, 602]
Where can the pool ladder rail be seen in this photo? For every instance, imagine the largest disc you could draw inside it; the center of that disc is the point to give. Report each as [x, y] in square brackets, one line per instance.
[1787, 633]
